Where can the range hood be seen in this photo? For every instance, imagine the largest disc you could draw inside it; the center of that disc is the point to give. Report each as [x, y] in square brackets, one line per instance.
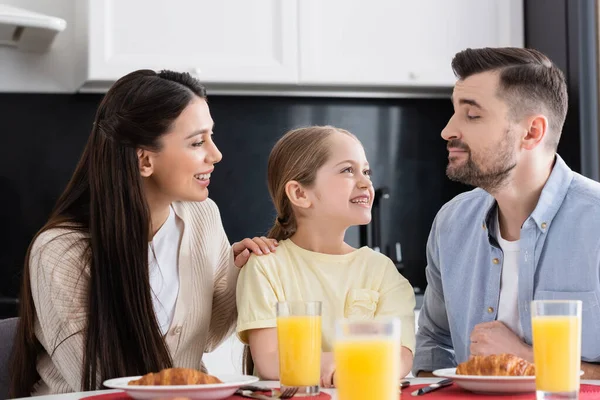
[28, 31]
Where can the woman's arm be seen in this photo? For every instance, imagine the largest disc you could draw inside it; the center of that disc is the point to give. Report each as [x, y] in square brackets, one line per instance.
[224, 311]
[59, 284]
[231, 260]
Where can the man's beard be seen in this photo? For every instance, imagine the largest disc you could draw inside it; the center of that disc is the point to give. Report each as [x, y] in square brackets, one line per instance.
[495, 176]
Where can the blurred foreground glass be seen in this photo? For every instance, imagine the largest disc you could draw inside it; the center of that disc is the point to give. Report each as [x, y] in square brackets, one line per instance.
[367, 359]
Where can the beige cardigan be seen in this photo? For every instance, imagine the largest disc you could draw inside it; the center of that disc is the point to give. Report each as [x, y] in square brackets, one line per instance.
[205, 312]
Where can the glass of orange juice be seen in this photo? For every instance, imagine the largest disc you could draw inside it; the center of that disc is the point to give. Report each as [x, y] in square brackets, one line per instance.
[367, 359]
[299, 339]
[556, 326]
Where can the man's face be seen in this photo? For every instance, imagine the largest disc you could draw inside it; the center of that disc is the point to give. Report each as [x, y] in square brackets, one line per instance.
[482, 143]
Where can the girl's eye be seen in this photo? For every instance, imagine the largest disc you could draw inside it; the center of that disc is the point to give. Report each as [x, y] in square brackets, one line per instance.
[368, 172]
[472, 117]
[349, 169]
[198, 144]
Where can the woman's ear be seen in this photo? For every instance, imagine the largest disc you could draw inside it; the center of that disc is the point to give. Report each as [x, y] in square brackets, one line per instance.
[145, 162]
[297, 194]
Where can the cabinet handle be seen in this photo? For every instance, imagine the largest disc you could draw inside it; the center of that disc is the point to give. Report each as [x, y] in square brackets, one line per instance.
[398, 249]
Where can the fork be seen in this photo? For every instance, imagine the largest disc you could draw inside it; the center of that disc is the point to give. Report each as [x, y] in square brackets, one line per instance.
[287, 393]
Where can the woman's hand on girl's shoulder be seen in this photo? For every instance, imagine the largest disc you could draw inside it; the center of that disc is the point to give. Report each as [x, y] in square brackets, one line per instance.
[257, 245]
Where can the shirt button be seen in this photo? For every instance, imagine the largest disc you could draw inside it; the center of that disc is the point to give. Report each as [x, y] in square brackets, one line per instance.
[177, 331]
[483, 226]
[490, 310]
[544, 225]
[496, 261]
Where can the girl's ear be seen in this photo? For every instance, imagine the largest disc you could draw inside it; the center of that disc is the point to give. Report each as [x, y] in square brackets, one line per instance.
[297, 194]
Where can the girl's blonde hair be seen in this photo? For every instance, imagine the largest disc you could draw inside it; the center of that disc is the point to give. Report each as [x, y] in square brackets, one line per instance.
[296, 157]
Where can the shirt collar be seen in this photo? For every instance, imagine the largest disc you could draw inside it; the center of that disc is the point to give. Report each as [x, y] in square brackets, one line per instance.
[552, 197]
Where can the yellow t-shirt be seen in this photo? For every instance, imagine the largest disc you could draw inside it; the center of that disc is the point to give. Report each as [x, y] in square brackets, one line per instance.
[362, 284]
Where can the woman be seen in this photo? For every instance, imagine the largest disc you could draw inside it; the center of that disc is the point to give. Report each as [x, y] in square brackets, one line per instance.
[133, 271]
[319, 181]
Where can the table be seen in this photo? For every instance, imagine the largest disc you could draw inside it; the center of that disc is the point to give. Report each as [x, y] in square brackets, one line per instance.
[332, 392]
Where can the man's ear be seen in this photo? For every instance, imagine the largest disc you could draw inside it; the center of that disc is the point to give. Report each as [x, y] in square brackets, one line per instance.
[537, 128]
[297, 194]
[145, 162]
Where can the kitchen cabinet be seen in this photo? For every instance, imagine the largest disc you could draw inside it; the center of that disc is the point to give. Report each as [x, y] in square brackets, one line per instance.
[219, 41]
[398, 42]
[284, 46]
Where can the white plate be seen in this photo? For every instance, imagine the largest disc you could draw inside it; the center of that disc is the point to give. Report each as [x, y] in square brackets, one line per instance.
[213, 391]
[490, 384]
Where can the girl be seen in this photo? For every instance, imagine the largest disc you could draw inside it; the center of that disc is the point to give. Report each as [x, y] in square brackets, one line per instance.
[133, 272]
[319, 181]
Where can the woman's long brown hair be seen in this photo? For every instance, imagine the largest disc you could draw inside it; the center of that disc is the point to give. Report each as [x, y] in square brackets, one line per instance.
[105, 200]
[297, 156]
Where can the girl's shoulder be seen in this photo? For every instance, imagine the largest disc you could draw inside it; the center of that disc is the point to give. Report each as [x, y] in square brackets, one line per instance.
[274, 260]
[374, 257]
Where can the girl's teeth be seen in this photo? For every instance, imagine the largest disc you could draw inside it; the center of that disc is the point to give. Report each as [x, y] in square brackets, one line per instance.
[202, 177]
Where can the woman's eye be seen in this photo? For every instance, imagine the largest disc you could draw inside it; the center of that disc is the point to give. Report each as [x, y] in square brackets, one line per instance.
[198, 144]
[349, 169]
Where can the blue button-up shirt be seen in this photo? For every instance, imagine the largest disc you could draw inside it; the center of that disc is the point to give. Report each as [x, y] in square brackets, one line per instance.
[559, 259]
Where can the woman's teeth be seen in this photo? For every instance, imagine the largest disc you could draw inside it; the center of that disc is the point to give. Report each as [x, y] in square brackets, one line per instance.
[202, 177]
[360, 201]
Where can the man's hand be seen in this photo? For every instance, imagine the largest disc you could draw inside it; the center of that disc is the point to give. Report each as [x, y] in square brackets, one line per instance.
[258, 245]
[496, 338]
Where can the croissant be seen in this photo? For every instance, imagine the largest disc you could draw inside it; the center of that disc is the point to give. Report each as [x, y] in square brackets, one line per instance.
[496, 365]
[175, 376]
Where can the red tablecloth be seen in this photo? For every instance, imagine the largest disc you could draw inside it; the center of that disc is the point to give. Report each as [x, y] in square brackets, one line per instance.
[586, 392]
[124, 396]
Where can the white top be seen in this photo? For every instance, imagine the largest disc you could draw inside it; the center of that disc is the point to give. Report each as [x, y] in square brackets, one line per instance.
[508, 309]
[163, 259]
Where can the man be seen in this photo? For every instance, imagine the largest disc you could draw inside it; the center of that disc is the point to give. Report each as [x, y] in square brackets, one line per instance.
[531, 228]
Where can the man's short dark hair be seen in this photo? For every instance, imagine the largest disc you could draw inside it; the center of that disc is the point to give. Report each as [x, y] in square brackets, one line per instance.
[529, 82]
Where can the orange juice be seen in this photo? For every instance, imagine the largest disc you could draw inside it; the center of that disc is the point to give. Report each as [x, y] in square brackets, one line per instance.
[557, 352]
[299, 350]
[367, 368]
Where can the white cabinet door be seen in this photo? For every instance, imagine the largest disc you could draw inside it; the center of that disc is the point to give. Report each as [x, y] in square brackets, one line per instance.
[232, 41]
[398, 42]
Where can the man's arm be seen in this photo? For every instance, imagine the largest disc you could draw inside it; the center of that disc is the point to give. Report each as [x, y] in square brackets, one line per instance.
[496, 338]
[434, 344]
[590, 371]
